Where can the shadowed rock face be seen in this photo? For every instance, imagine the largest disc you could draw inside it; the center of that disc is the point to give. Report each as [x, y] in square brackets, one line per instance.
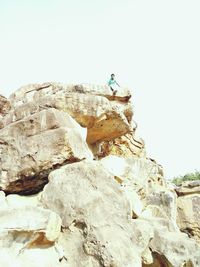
[36, 145]
[105, 116]
[34, 138]
[4, 109]
[188, 208]
[101, 201]
[4, 105]
[125, 146]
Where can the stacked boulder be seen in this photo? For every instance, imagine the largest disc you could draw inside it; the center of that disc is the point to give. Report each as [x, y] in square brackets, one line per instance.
[77, 188]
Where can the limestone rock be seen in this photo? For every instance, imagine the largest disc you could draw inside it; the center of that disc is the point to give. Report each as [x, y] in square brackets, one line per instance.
[4, 109]
[142, 175]
[4, 105]
[29, 234]
[188, 218]
[36, 145]
[188, 215]
[28, 237]
[14, 201]
[46, 223]
[87, 197]
[168, 245]
[99, 230]
[114, 211]
[27, 93]
[172, 249]
[124, 146]
[105, 117]
[188, 188]
[165, 199]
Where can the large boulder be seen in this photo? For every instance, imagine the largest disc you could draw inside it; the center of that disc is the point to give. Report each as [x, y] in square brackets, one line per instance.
[169, 247]
[28, 234]
[37, 144]
[188, 188]
[188, 208]
[106, 117]
[141, 174]
[98, 225]
[88, 198]
[116, 210]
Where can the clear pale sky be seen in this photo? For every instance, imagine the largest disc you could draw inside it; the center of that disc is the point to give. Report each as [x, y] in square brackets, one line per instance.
[153, 46]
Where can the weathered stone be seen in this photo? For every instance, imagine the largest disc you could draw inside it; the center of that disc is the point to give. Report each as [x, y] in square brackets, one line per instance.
[46, 224]
[31, 91]
[188, 215]
[36, 145]
[28, 234]
[174, 249]
[124, 146]
[89, 198]
[165, 199]
[188, 188]
[96, 214]
[92, 107]
[4, 105]
[15, 201]
[142, 175]
[118, 211]
[28, 237]
[169, 247]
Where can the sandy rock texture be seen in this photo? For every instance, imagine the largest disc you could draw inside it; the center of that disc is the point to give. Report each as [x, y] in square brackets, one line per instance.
[188, 208]
[30, 148]
[4, 109]
[77, 188]
[91, 202]
[4, 105]
[88, 105]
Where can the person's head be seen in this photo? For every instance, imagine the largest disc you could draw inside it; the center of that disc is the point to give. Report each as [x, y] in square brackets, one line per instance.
[113, 76]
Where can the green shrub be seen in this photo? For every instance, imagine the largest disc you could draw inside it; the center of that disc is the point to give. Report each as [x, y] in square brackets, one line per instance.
[187, 177]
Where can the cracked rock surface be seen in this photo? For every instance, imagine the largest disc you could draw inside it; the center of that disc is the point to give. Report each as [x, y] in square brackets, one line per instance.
[77, 188]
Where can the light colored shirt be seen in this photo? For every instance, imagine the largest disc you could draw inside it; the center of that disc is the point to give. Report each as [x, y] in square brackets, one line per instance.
[111, 82]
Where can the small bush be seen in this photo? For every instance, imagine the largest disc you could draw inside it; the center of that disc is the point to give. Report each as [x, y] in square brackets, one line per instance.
[187, 177]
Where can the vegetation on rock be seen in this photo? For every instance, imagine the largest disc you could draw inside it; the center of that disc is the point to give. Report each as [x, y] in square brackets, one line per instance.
[187, 177]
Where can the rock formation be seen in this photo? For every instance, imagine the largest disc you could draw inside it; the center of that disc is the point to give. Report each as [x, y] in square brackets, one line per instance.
[188, 204]
[77, 189]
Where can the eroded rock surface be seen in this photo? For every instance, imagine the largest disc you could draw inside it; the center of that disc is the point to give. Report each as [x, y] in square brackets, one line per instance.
[98, 219]
[105, 203]
[126, 146]
[32, 147]
[88, 105]
[84, 193]
[28, 233]
[141, 174]
[4, 105]
[188, 208]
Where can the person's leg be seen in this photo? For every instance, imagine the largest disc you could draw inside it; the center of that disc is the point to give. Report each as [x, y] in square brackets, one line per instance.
[114, 92]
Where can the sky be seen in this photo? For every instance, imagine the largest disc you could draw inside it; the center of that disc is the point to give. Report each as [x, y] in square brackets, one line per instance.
[152, 46]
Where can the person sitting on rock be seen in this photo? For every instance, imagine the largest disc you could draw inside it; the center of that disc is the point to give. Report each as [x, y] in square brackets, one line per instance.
[112, 84]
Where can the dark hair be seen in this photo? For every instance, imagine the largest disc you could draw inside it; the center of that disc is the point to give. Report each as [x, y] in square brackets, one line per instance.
[112, 74]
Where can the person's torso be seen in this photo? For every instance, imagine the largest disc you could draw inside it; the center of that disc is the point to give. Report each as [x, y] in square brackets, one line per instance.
[112, 82]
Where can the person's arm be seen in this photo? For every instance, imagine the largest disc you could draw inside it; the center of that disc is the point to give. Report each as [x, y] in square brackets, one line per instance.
[117, 84]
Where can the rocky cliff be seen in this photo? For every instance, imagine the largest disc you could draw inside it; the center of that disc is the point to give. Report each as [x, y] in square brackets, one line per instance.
[77, 189]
